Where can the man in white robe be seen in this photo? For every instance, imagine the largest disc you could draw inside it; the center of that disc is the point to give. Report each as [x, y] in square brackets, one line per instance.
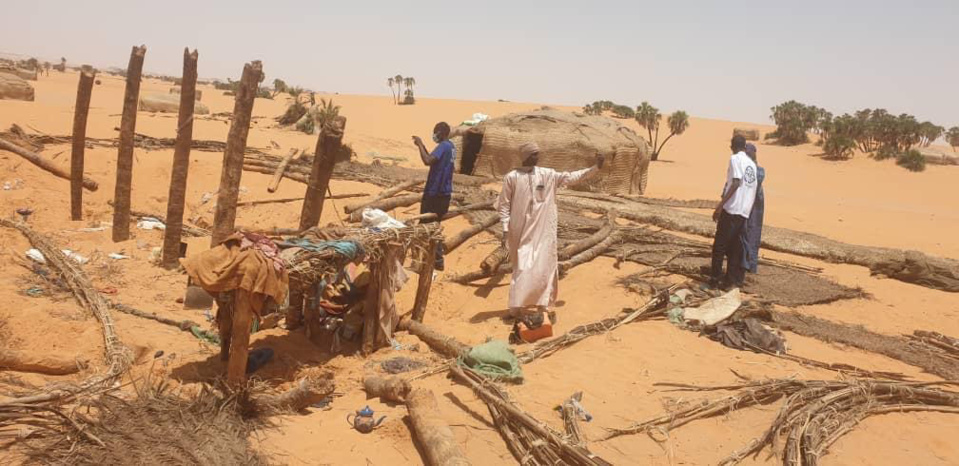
[527, 209]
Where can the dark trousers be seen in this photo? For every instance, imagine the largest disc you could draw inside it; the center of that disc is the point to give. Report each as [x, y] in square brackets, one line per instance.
[438, 205]
[728, 244]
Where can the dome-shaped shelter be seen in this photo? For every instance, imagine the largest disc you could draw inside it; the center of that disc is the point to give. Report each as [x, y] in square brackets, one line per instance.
[567, 141]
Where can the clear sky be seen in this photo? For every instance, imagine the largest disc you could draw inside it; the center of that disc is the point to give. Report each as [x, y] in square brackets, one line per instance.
[720, 59]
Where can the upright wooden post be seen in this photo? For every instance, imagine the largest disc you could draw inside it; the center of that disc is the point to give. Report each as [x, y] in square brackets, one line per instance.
[84, 90]
[239, 338]
[327, 147]
[224, 218]
[371, 309]
[128, 124]
[181, 162]
[425, 282]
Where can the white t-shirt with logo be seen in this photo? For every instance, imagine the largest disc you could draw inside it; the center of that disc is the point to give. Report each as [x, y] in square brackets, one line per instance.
[743, 168]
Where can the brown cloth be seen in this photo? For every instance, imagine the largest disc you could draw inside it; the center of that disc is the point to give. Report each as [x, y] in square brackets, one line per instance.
[228, 267]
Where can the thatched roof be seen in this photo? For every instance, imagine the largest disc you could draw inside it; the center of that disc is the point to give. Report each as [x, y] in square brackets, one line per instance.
[568, 141]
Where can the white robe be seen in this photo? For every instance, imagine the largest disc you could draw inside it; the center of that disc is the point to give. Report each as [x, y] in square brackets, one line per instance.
[527, 209]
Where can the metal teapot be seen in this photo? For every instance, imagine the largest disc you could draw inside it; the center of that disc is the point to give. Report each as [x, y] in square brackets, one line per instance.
[363, 420]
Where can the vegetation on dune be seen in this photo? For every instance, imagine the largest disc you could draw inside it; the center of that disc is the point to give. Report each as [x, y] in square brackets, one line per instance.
[647, 116]
[293, 113]
[399, 81]
[873, 131]
[279, 86]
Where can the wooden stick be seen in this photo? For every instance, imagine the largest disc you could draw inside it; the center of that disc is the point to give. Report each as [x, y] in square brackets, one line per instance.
[594, 239]
[128, 123]
[84, 90]
[425, 281]
[455, 241]
[239, 338]
[493, 261]
[328, 144]
[184, 325]
[27, 361]
[181, 162]
[452, 212]
[294, 199]
[44, 164]
[383, 195]
[439, 444]
[301, 395]
[445, 345]
[224, 218]
[278, 175]
[588, 254]
[393, 389]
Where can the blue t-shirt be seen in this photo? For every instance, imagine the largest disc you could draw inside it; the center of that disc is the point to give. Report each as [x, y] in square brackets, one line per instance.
[439, 182]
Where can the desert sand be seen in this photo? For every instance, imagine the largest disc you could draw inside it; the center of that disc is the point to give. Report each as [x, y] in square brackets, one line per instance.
[860, 201]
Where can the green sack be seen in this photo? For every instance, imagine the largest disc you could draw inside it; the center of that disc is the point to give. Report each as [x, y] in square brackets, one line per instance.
[494, 360]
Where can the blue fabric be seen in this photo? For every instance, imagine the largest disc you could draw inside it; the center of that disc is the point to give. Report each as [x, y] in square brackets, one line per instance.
[439, 182]
[350, 249]
[753, 232]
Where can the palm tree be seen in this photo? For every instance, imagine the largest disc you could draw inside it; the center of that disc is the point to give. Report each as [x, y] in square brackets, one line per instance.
[648, 117]
[952, 137]
[678, 124]
[410, 82]
[278, 86]
[399, 86]
[327, 113]
[389, 82]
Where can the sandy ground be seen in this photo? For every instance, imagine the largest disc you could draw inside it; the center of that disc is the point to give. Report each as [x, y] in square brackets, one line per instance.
[859, 201]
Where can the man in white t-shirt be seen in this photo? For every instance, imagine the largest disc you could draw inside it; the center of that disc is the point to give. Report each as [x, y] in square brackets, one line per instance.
[739, 193]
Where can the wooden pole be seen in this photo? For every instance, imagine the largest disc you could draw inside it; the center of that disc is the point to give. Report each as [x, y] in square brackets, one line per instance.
[45, 164]
[439, 444]
[393, 389]
[455, 241]
[445, 345]
[84, 90]
[181, 162]
[280, 169]
[371, 308]
[451, 213]
[327, 147]
[492, 262]
[425, 281]
[224, 218]
[128, 124]
[294, 199]
[389, 192]
[239, 338]
[27, 361]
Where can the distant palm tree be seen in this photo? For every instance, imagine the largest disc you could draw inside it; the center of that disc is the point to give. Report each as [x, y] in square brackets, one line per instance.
[327, 113]
[278, 86]
[648, 117]
[410, 82]
[389, 82]
[399, 86]
[678, 124]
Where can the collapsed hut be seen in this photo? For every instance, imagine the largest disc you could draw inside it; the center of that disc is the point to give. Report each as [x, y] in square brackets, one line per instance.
[13, 87]
[568, 141]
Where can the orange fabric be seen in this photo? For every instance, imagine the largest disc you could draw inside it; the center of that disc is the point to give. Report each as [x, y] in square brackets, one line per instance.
[226, 267]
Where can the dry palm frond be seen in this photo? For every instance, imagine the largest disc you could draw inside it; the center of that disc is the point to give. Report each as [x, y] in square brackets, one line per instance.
[814, 414]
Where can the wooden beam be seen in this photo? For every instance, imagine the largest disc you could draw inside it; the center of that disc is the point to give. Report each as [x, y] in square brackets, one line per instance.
[386, 193]
[45, 164]
[128, 123]
[173, 233]
[280, 169]
[439, 444]
[425, 282]
[82, 109]
[454, 242]
[224, 218]
[327, 147]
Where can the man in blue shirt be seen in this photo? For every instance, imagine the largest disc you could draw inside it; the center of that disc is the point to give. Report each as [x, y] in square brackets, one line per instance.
[439, 182]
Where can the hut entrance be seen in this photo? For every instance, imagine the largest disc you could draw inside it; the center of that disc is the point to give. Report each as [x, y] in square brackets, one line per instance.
[472, 143]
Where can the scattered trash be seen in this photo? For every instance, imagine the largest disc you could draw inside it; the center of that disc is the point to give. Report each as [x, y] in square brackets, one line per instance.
[206, 197]
[363, 420]
[37, 256]
[108, 290]
[206, 336]
[155, 254]
[477, 119]
[401, 364]
[117, 256]
[150, 223]
[574, 405]
[17, 183]
[24, 213]
[748, 334]
[715, 310]
[258, 358]
[378, 220]
[34, 291]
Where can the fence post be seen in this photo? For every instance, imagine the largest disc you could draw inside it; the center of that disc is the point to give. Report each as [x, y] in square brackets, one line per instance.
[181, 161]
[84, 90]
[328, 146]
[224, 218]
[128, 124]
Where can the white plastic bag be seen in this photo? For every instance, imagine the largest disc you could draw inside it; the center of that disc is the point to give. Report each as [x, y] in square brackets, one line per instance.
[376, 218]
[148, 223]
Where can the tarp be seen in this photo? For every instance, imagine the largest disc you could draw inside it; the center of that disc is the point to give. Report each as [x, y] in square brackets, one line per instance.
[495, 360]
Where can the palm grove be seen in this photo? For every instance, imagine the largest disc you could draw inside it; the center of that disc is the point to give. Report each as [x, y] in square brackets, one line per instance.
[648, 117]
[876, 132]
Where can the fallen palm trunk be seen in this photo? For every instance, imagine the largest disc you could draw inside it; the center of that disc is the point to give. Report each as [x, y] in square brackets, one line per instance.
[45, 164]
[493, 261]
[433, 432]
[294, 199]
[184, 325]
[517, 426]
[392, 389]
[140, 141]
[588, 255]
[592, 240]
[302, 394]
[28, 361]
[387, 205]
[814, 415]
[455, 241]
[445, 345]
[117, 355]
[278, 175]
[386, 193]
[908, 266]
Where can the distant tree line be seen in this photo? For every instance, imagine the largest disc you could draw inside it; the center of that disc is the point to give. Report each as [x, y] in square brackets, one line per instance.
[647, 116]
[399, 81]
[876, 132]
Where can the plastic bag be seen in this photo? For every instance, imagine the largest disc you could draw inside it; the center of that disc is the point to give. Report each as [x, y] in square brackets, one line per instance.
[377, 219]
